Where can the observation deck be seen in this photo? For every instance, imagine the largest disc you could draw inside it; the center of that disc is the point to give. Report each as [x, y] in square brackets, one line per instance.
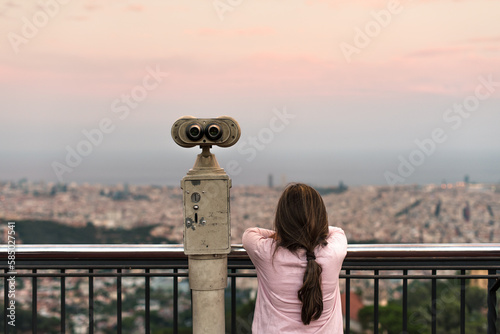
[399, 264]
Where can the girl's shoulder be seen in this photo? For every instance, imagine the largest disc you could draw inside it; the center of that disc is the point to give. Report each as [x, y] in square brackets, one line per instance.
[336, 233]
[258, 242]
[255, 235]
[337, 240]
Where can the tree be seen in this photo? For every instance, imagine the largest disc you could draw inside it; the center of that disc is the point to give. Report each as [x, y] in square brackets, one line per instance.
[447, 306]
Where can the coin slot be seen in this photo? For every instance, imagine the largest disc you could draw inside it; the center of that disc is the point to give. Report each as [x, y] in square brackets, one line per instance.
[195, 197]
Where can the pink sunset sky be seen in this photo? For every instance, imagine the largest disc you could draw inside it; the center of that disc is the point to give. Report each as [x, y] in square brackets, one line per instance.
[65, 65]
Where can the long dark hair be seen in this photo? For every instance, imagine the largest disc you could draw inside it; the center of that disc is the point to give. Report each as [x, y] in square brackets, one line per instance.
[301, 222]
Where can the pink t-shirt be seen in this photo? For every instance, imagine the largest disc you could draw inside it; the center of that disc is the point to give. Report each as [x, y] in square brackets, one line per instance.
[277, 309]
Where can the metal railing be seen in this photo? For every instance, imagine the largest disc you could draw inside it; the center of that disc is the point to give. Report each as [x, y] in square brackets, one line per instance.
[375, 263]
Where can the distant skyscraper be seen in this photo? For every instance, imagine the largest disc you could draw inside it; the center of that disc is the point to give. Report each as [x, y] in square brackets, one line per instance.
[270, 181]
[438, 209]
[466, 179]
[490, 211]
[283, 180]
[466, 212]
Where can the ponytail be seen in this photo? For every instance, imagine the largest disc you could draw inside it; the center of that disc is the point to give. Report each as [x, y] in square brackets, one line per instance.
[301, 222]
[310, 293]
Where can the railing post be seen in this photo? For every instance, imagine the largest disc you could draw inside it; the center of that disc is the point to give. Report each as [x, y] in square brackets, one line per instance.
[493, 285]
[118, 301]
[91, 301]
[375, 302]
[63, 301]
[34, 305]
[233, 302]
[433, 302]
[347, 302]
[147, 301]
[5, 302]
[462, 303]
[405, 302]
[176, 301]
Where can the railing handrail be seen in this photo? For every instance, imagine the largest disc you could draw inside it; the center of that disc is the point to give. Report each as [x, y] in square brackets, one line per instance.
[119, 251]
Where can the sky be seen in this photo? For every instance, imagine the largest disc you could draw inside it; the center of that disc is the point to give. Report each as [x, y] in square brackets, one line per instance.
[364, 92]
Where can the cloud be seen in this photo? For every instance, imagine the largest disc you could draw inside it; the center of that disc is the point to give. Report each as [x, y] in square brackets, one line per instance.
[494, 39]
[440, 51]
[256, 75]
[92, 7]
[482, 46]
[78, 17]
[135, 8]
[11, 4]
[212, 32]
[6, 8]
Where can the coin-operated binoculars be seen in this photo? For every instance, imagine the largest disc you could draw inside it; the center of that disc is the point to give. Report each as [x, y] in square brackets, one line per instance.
[207, 228]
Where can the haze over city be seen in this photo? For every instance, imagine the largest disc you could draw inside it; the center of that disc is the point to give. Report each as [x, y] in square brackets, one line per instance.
[364, 92]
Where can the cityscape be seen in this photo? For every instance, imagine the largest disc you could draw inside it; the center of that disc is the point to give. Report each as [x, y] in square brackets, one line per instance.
[433, 213]
[442, 213]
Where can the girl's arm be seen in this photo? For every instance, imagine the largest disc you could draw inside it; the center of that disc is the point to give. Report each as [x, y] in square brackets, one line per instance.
[265, 233]
[337, 236]
[257, 233]
[253, 235]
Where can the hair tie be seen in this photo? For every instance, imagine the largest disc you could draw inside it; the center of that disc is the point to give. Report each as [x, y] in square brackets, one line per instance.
[310, 256]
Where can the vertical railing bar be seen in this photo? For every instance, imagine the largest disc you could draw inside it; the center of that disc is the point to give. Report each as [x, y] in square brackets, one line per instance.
[91, 302]
[34, 303]
[492, 304]
[405, 302]
[347, 302]
[375, 302]
[119, 302]
[233, 302]
[5, 301]
[433, 302]
[63, 302]
[462, 303]
[147, 301]
[176, 302]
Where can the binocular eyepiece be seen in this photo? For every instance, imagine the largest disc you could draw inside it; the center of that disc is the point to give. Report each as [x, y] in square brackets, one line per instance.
[222, 131]
[195, 132]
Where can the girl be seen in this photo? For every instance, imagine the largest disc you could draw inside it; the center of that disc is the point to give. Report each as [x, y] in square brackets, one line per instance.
[298, 266]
